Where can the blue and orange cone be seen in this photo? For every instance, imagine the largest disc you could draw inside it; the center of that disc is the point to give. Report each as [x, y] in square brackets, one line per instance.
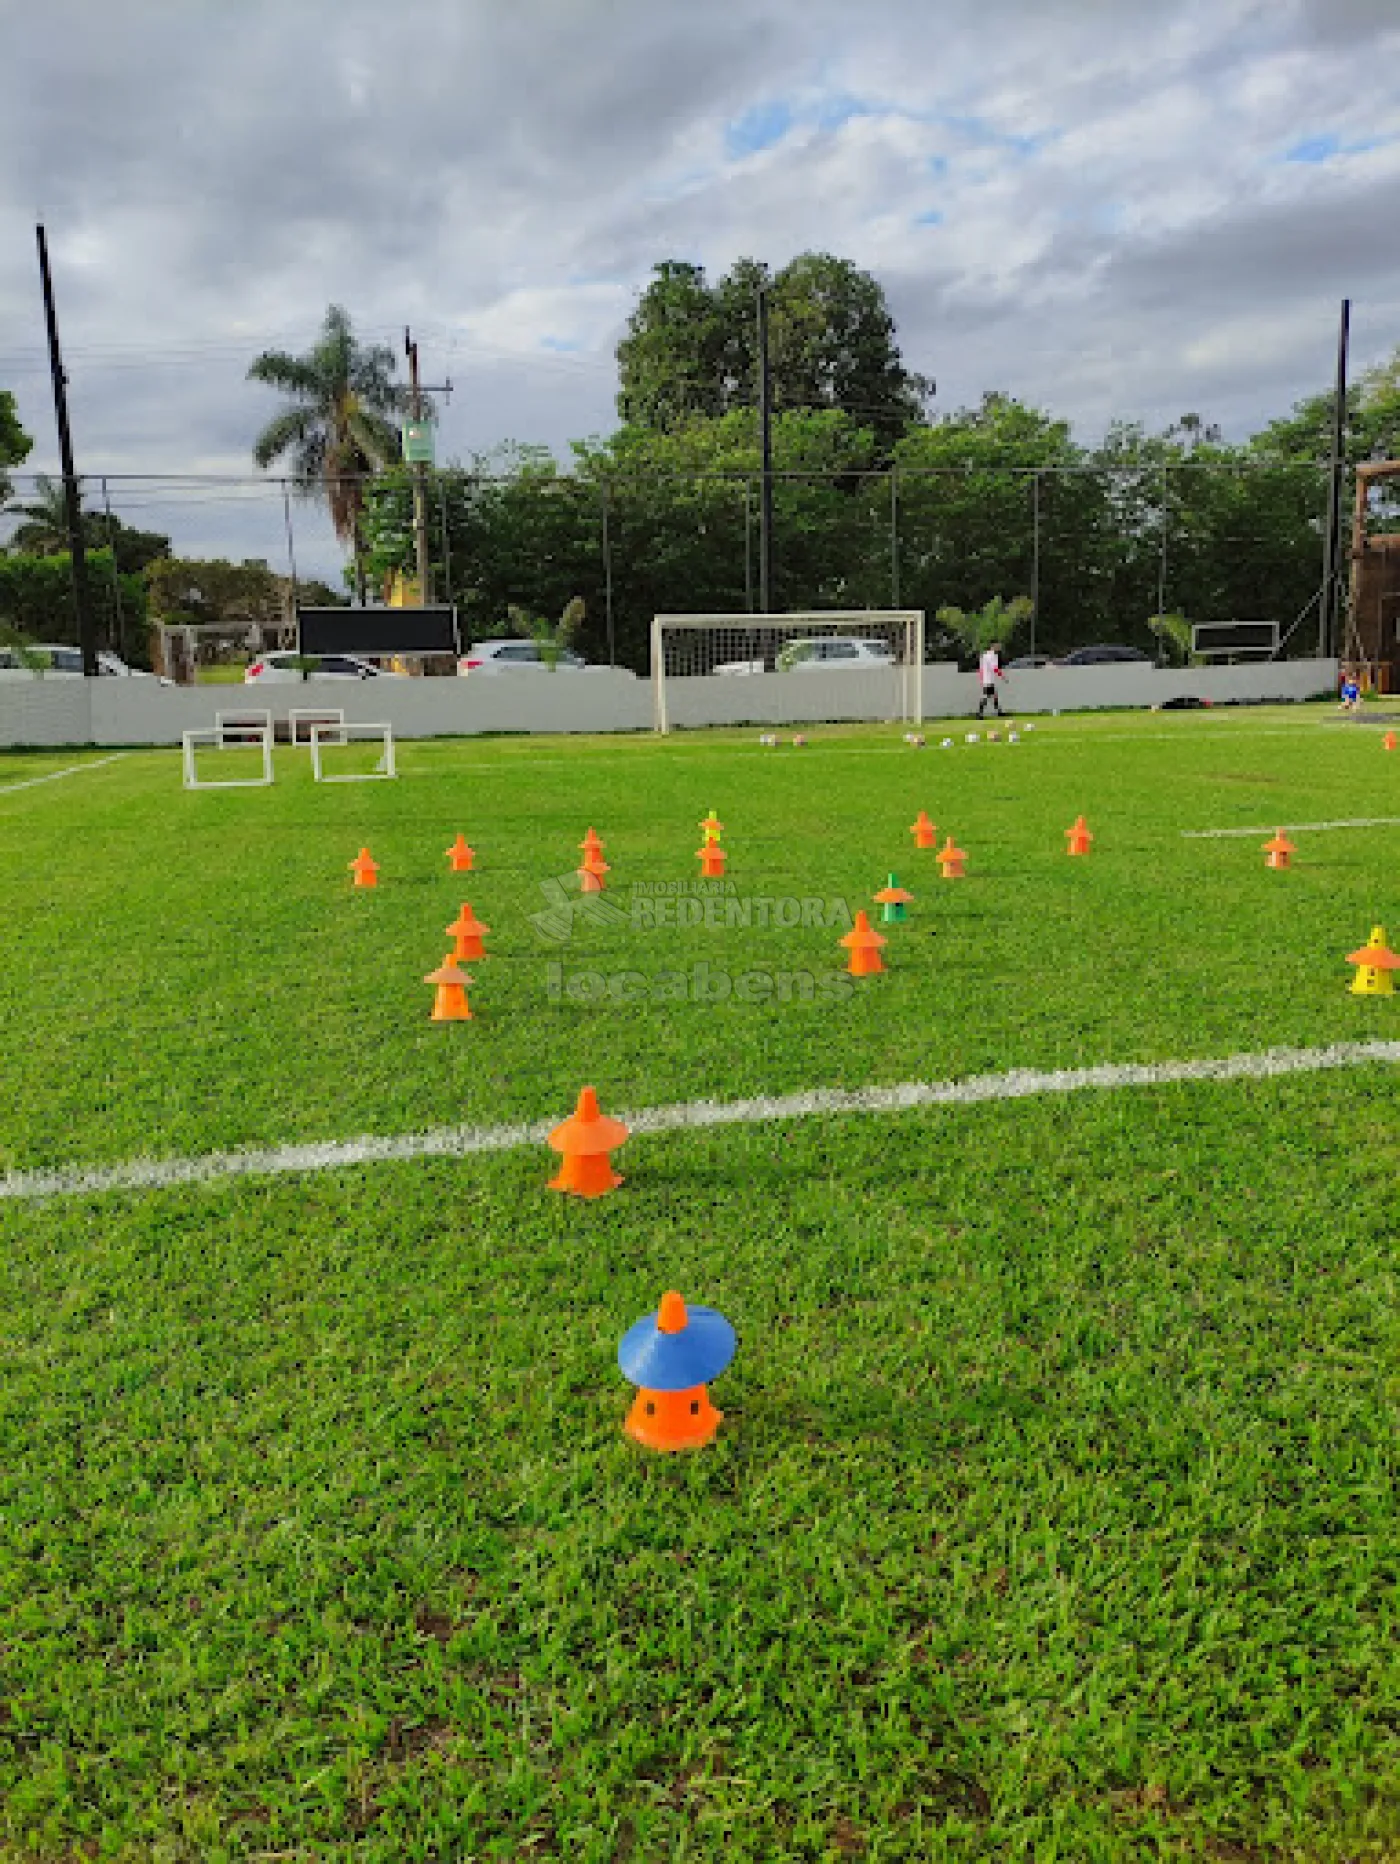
[671, 1356]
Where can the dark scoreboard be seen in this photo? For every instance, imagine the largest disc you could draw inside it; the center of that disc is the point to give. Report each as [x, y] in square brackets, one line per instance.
[377, 631]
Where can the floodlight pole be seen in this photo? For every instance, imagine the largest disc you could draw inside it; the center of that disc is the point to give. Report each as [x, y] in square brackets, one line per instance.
[87, 634]
[765, 442]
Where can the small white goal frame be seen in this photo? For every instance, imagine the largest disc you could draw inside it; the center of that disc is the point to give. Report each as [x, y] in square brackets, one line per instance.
[312, 715]
[222, 738]
[246, 722]
[341, 734]
[857, 621]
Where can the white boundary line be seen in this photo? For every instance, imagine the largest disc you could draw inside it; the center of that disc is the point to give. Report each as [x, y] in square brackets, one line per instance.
[72, 770]
[461, 1141]
[1294, 828]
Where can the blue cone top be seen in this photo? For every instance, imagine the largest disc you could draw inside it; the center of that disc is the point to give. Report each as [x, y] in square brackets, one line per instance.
[673, 1362]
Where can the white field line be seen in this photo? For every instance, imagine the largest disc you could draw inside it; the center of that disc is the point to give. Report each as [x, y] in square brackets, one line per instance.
[461, 1141]
[72, 770]
[1292, 828]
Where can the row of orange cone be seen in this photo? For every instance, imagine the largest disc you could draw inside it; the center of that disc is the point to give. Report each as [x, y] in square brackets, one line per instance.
[950, 857]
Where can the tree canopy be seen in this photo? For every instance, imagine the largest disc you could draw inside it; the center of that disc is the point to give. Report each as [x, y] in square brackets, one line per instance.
[337, 428]
[15, 444]
[692, 348]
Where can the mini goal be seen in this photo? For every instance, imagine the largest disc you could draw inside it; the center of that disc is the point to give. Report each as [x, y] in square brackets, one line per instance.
[345, 733]
[242, 733]
[883, 647]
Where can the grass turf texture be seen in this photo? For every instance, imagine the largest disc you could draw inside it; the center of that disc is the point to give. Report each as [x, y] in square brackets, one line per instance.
[1053, 1512]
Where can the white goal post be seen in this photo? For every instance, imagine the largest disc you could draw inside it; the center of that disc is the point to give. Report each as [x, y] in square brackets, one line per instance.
[345, 733]
[887, 643]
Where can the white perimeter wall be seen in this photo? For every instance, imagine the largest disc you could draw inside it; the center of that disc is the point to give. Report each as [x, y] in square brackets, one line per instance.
[119, 711]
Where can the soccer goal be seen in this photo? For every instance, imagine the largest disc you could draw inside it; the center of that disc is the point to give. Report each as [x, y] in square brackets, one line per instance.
[884, 646]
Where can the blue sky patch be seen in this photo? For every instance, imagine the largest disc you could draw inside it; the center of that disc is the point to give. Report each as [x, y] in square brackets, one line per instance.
[558, 343]
[1322, 148]
[758, 128]
[932, 218]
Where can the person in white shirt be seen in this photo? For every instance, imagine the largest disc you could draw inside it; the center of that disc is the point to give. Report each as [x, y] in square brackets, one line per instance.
[989, 672]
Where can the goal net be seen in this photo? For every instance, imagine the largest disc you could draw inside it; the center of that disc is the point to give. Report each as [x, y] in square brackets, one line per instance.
[841, 662]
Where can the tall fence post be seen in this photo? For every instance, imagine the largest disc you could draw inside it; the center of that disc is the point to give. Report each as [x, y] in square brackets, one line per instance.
[607, 572]
[894, 537]
[1162, 561]
[1035, 556]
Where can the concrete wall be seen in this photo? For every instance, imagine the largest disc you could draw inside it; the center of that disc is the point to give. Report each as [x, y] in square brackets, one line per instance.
[117, 711]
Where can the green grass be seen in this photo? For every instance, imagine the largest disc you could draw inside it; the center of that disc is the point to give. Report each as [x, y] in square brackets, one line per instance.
[1053, 1513]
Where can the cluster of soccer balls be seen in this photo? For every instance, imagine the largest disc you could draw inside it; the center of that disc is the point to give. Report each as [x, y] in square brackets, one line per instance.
[771, 738]
[1013, 736]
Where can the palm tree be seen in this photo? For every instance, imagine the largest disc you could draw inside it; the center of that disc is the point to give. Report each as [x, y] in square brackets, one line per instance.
[44, 532]
[338, 428]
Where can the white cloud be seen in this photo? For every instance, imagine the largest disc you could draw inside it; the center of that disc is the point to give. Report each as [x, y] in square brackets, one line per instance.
[1119, 231]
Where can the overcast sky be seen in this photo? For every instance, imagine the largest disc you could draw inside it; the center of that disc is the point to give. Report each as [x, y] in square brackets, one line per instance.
[1108, 207]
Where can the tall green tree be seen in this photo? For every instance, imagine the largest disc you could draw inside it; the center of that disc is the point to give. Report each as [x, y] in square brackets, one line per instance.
[338, 427]
[692, 348]
[15, 444]
[43, 531]
[43, 527]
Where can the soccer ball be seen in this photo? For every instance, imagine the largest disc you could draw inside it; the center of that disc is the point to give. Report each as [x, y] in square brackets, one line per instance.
[947, 744]
[972, 737]
[916, 739]
[799, 739]
[1013, 737]
[993, 737]
[767, 737]
[1030, 727]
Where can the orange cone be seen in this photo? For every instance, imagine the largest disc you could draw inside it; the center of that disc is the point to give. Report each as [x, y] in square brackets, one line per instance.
[1280, 850]
[593, 842]
[925, 833]
[450, 1003]
[585, 1140]
[711, 859]
[590, 875]
[1078, 837]
[1390, 741]
[460, 856]
[467, 929]
[365, 869]
[864, 943]
[1378, 963]
[950, 860]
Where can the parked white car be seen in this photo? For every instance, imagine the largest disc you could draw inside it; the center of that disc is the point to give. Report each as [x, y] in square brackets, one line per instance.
[819, 651]
[283, 669]
[61, 662]
[507, 656]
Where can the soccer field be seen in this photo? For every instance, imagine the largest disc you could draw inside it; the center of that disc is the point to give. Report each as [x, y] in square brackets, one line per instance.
[1053, 1513]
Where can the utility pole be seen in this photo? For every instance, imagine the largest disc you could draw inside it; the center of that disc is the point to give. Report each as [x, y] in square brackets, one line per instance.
[765, 441]
[1329, 606]
[87, 634]
[420, 479]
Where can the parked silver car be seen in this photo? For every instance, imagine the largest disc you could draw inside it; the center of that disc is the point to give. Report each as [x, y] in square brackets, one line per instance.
[48, 660]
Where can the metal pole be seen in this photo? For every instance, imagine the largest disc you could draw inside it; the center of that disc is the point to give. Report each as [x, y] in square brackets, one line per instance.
[420, 500]
[1162, 565]
[446, 541]
[1035, 556]
[607, 573]
[87, 634]
[894, 537]
[116, 580]
[1327, 614]
[748, 547]
[765, 442]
